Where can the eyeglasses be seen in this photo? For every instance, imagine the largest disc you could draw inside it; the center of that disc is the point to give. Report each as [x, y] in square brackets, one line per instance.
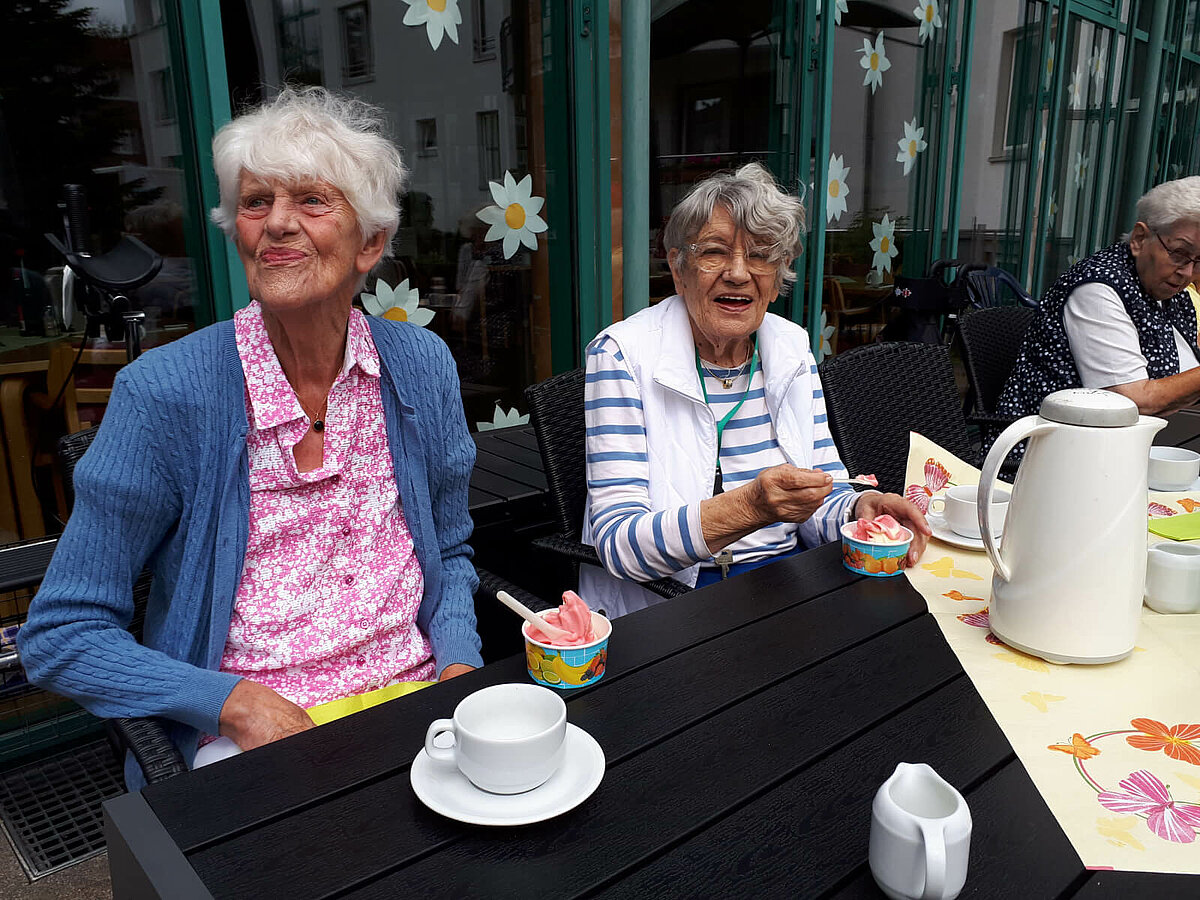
[712, 257]
[1178, 258]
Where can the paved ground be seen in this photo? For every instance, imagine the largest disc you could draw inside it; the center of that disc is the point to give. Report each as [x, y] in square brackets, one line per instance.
[87, 880]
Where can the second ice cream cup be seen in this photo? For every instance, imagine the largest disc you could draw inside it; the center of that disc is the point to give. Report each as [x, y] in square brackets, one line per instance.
[566, 668]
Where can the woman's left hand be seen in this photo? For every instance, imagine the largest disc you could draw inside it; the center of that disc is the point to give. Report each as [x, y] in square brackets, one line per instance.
[454, 670]
[868, 506]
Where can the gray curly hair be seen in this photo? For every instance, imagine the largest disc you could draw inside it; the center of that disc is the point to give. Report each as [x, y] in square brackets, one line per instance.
[311, 133]
[759, 207]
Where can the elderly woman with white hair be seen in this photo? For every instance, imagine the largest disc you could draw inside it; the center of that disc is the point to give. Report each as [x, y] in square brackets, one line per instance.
[296, 478]
[708, 448]
[1121, 319]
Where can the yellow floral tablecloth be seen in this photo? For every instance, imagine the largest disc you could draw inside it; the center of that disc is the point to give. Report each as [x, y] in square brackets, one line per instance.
[1113, 749]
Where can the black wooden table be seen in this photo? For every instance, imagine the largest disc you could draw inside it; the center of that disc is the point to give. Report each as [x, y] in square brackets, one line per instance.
[746, 728]
[507, 483]
[1183, 430]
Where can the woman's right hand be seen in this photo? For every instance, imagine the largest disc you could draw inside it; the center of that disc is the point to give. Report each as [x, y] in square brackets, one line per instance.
[254, 715]
[786, 493]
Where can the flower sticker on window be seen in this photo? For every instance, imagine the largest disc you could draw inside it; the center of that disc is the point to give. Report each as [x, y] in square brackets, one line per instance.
[910, 145]
[875, 61]
[515, 215]
[884, 244]
[839, 7]
[502, 418]
[929, 17]
[1078, 88]
[824, 347]
[1095, 66]
[836, 188]
[398, 304]
[440, 17]
[1081, 169]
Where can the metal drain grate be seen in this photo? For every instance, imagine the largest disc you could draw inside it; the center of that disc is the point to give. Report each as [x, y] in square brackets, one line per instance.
[51, 808]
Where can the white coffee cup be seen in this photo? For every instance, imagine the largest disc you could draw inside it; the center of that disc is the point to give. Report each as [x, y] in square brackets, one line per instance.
[1172, 468]
[1173, 578]
[920, 835]
[508, 738]
[960, 509]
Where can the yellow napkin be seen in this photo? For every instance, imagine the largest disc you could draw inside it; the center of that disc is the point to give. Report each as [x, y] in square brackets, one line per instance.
[337, 709]
[1184, 527]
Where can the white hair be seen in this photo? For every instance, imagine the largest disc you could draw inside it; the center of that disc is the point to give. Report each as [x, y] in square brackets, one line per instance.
[1170, 203]
[310, 133]
[773, 218]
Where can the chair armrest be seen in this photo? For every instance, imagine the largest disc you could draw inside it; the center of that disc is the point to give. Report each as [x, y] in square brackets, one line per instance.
[993, 419]
[147, 740]
[579, 552]
[490, 583]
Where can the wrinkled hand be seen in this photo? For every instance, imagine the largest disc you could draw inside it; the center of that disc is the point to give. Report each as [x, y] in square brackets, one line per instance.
[254, 715]
[868, 506]
[789, 494]
[454, 670]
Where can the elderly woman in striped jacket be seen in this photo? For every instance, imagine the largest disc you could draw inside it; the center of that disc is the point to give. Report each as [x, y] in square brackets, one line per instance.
[708, 448]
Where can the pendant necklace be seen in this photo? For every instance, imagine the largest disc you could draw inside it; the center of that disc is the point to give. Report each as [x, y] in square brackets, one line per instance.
[318, 421]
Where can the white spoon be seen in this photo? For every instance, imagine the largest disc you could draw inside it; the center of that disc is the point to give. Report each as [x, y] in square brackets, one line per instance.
[552, 631]
[864, 480]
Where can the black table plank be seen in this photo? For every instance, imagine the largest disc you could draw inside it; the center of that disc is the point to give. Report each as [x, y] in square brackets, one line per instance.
[486, 461]
[502, 486]
[521, 436]
[826, 809]
[242, 790]
[624, 717]
[513, 452]
[1148, 885]
[1183, 430]
[667, 791]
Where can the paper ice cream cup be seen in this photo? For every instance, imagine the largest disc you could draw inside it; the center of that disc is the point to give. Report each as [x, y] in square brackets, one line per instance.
[876, 560]
[566, 668]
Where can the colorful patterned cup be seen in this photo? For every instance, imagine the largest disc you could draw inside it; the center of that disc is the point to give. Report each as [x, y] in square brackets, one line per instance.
[566, 668]
[876, 560]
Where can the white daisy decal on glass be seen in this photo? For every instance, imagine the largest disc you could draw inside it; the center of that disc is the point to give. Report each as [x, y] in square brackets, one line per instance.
[1050, 67]
[1081, 168]
[1077, 89]
[1096, 66]
[929, 17]
[440, 17]
[884, 244]
[1053, 208]
[1042, 148]
[835, 188]
[910, 145]
[1189, 92]
[398, 304]
[824, 339]
[839, 7]
[875, 61]
[503, 419]
[515, 215]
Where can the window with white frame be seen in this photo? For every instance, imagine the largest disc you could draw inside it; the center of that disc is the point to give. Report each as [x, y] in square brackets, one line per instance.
[483, 43]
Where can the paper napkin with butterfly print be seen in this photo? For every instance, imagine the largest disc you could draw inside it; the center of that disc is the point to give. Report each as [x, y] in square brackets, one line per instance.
[1114, 749]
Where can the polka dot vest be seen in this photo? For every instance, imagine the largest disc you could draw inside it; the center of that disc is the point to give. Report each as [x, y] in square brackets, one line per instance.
[1045, 363]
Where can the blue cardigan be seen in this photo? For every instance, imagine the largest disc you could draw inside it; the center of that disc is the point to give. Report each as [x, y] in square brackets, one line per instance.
[166, 484]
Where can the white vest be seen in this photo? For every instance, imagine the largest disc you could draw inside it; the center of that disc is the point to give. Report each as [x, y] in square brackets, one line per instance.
[681, 433]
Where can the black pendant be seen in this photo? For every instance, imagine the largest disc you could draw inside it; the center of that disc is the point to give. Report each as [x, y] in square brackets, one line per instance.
[318, 425]
[717, 488]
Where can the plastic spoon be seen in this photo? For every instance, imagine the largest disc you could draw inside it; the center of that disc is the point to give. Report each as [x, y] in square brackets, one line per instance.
[864, 480]
[552, 631]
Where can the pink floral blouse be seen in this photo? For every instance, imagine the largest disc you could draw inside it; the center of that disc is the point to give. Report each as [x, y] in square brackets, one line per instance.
[327, 604]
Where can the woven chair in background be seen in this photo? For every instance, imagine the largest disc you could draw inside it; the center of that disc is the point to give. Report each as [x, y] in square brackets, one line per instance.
[992, 339]
[986, 287]
[556, 410]
[876, 394]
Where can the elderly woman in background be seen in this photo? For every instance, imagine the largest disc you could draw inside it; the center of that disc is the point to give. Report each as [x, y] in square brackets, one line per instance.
[1122, 318]
[296, 478]
[708, 449]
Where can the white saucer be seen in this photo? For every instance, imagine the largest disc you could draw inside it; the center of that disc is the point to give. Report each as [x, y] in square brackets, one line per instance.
[446, 790]
[944, 532]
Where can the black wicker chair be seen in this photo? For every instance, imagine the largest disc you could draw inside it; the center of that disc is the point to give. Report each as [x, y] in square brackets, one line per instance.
[986, 286]
[876, 394]
[992, 339]
[556, 410]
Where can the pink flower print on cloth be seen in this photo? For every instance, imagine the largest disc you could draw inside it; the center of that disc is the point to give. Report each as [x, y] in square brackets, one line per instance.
[936, 478]
[1146, 795]
[327, 604]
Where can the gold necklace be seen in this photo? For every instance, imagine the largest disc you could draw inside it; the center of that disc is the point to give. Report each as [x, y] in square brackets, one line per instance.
[318, 421]
[727, 379]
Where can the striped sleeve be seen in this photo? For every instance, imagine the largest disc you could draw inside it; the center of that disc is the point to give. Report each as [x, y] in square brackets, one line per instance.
[826, 522]
[633, 541]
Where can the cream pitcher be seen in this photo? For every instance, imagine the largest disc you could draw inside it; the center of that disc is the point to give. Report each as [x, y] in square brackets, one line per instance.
[1071, 568]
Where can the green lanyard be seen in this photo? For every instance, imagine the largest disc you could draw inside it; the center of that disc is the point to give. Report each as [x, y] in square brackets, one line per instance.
[717, 487]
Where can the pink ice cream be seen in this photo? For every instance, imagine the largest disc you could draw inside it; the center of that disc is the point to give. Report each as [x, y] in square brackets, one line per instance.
[573, 617]
[868, 479]
[879, 530]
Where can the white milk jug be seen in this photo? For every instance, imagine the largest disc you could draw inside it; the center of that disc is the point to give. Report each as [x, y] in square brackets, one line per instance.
[1070, 575]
